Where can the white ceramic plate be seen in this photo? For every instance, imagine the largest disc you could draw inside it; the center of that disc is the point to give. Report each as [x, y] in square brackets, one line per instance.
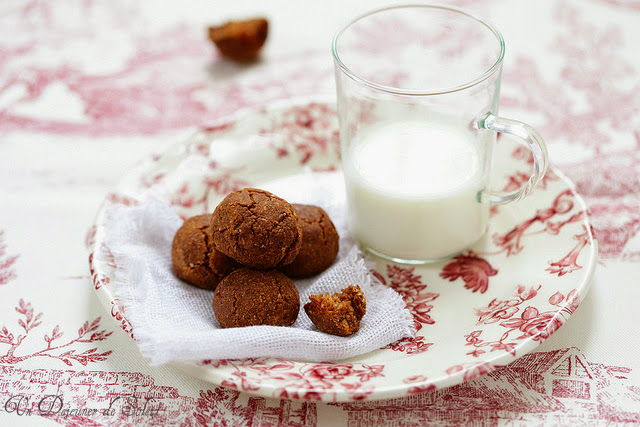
[474, 313]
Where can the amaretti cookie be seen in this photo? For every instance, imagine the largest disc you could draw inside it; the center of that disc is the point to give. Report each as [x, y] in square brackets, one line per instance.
[194, 257]
[320, 243]
[249, 297]
[257, 229]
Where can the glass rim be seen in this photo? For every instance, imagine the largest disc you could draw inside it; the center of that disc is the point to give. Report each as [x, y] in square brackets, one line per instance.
[417, 92]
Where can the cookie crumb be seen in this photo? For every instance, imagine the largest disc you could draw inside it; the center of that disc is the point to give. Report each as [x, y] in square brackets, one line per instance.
[338, 314]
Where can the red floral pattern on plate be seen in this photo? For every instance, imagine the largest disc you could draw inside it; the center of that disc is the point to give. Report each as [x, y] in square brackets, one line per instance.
[308, 381]
[219, 182]
[473, 270]
[306, 131]
[519, 178]
[420, 388]
[413, 292]
[569, 263]
[531, 323]
[472, 370]
[511, 241]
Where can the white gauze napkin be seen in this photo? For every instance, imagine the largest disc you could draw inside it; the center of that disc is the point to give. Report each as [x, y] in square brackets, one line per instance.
[172, 320]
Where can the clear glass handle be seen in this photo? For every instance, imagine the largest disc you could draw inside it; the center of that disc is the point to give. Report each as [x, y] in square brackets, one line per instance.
[536, 144]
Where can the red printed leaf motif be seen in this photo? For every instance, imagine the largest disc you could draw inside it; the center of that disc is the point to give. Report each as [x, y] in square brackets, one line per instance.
[474, 271]
[31, 321]
[412, 290]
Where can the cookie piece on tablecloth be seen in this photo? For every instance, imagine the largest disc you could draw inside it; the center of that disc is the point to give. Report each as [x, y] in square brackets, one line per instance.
[240, 40]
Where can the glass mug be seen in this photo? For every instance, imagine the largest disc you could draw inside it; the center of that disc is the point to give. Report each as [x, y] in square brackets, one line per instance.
[417, 91]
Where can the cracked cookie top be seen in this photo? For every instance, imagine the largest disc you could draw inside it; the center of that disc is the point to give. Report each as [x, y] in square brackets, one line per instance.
[257, 229]
[320, 243]
[249, 297]
[194, 257]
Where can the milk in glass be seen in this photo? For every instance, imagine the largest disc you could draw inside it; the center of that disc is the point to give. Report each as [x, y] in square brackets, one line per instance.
[413, 187]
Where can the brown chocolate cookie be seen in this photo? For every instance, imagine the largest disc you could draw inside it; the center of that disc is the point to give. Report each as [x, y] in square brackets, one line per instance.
[194, 257]
[337, 314]
[319, 243]
[257, 229]
[250, 297]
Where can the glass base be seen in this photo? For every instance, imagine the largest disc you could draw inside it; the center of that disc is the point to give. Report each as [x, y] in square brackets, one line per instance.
[419, 261]
[409, 261]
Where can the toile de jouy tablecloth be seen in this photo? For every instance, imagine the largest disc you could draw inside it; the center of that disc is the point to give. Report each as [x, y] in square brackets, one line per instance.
[88, 88]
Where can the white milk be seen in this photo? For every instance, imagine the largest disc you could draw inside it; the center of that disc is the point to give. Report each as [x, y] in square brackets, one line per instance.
[412, 189]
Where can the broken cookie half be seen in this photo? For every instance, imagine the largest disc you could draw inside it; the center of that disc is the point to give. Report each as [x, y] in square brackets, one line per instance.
[337, 314]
